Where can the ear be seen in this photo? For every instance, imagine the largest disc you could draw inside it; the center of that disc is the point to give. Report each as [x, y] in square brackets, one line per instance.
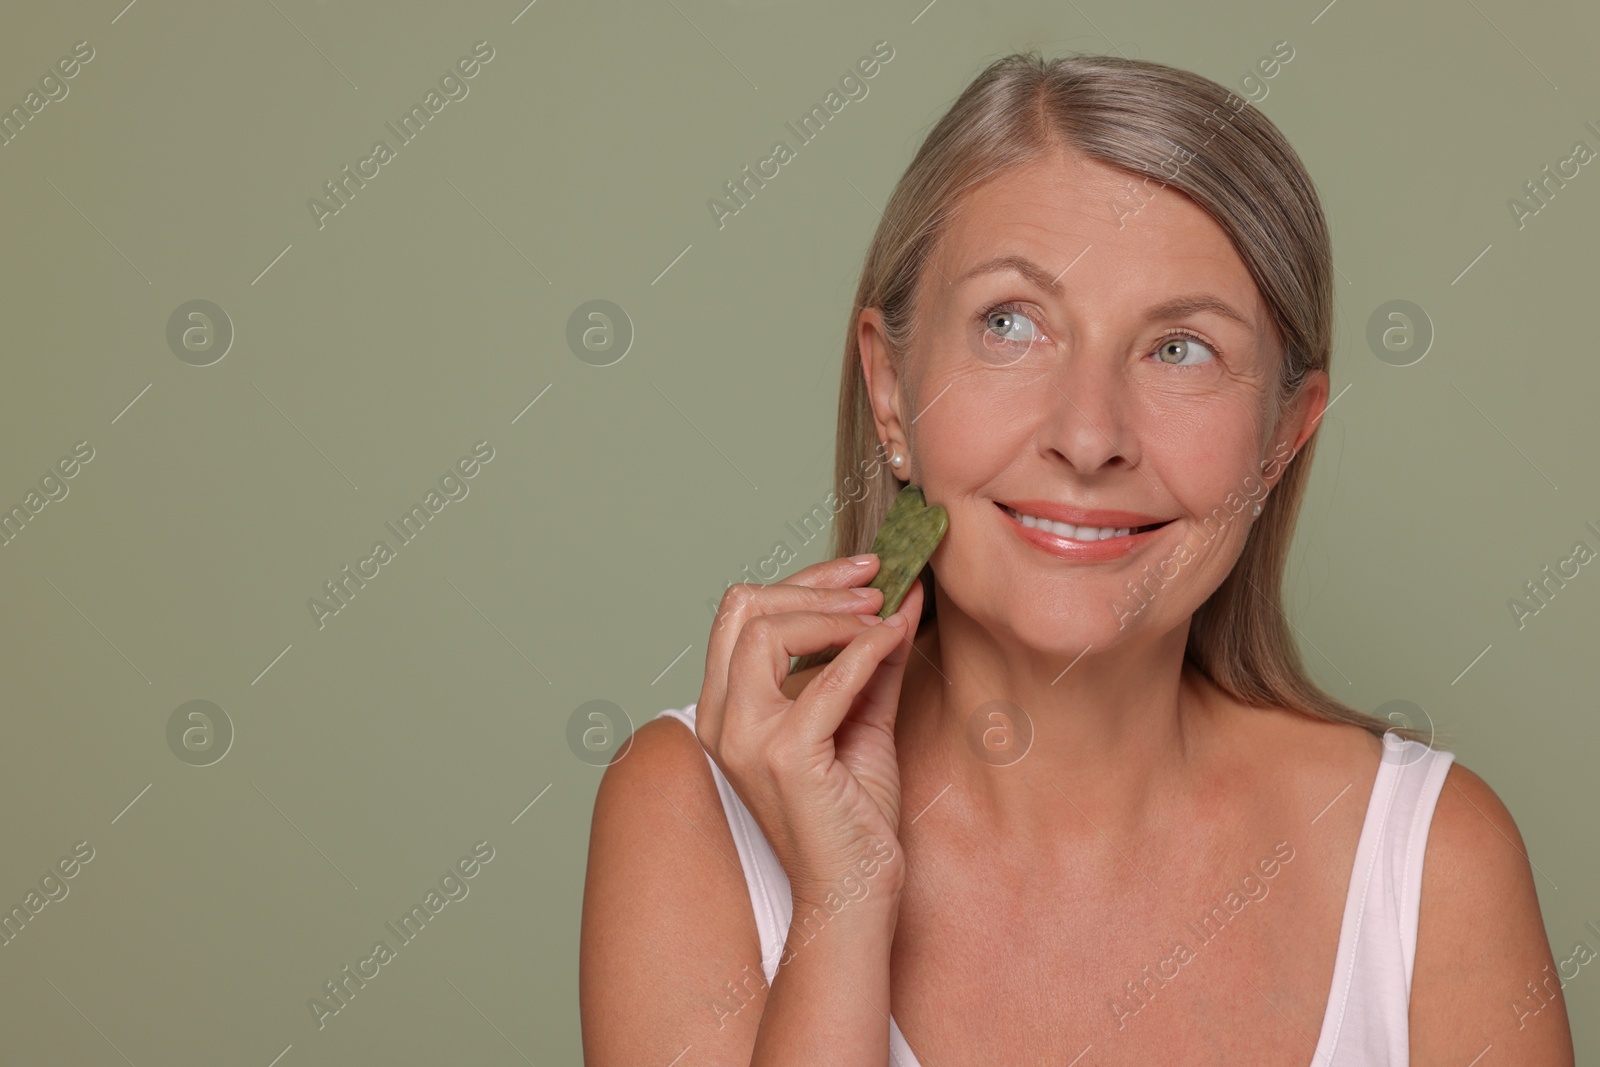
[883, 388]
[1300, 417]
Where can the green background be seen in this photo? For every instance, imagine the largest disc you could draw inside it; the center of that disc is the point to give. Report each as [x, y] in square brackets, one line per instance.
[370, 354]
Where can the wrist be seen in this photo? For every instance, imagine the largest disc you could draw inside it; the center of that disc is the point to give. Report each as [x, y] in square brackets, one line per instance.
[872, 900]
[873, 904]
[873, 882]
[865, 925]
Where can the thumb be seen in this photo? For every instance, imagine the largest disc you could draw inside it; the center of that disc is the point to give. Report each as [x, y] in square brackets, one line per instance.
[880, 699]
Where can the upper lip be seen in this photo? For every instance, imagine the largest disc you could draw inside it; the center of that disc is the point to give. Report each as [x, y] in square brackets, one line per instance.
[1066, 513]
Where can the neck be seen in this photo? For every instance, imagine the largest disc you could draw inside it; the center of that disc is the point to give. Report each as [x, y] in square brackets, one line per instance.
[1051, 749]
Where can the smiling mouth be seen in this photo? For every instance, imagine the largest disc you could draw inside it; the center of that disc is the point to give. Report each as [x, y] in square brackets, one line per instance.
[1079, 533]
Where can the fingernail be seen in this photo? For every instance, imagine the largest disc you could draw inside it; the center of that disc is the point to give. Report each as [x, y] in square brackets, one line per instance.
[870, 620]
[864, 592]
[863, 559]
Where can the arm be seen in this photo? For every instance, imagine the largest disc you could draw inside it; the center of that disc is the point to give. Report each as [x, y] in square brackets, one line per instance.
[669, 958]
[829, 1002]
[1481, 945]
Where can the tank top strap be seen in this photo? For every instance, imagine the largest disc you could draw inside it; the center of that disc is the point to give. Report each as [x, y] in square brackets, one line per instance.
[1368, 1015]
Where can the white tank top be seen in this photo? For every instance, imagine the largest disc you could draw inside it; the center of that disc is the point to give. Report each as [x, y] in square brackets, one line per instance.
[1366, 1022]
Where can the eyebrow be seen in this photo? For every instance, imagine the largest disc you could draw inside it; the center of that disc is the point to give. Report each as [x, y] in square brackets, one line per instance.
[1176, 307]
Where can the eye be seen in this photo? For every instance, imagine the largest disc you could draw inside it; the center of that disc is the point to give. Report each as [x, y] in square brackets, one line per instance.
[1007, 320]
[1006, 333]
[1176, 350]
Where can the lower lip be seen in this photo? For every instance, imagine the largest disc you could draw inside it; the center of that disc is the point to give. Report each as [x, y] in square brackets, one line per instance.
[1067, 548]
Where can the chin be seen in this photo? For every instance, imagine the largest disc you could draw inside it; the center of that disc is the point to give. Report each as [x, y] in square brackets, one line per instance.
[1065, 627]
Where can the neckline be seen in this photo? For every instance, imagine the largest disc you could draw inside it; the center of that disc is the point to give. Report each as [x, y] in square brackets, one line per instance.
[901, 1055]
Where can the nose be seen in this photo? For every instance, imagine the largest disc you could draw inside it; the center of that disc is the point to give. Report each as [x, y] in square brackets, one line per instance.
[1087, 409]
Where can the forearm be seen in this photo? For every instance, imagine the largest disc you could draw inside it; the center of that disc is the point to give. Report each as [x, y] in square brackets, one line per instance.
[829, 1001]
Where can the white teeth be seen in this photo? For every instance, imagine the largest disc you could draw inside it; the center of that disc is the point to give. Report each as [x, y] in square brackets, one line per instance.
[1066, 529]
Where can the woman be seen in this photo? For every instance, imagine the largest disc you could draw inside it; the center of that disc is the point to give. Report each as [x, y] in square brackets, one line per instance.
[1091, 810]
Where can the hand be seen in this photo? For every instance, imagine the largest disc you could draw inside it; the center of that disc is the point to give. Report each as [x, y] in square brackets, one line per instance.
[818, 772]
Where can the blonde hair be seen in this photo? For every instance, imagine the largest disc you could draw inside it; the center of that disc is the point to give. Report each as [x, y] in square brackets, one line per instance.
[1171, 127]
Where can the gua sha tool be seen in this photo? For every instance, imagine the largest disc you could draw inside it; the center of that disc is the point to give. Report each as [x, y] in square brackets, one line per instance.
[908, 536]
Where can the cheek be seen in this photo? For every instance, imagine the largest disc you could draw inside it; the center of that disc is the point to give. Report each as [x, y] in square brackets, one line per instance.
[965, 442]
[1202, 452]
[970, 426]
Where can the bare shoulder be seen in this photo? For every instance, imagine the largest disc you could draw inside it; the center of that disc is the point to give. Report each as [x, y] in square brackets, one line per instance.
[1478, 911]
[1479, 916]
[1294, 755]
[667, 923]
[1344, 750]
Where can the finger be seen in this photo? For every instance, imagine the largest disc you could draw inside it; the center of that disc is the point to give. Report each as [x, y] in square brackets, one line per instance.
[845, 570]
[879, 703]
[825, 701]
[759, 663]
[745, 601]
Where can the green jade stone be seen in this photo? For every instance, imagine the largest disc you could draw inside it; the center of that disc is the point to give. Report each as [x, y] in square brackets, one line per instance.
[905, 541]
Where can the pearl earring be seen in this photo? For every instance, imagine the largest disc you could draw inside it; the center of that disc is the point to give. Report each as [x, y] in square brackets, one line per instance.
[1258, 509]
[896, 460]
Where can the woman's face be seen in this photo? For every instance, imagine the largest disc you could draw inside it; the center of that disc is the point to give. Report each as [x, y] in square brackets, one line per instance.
[1129, 387]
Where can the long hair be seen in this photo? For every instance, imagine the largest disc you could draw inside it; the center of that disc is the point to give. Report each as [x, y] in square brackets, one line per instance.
[1165, 127]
